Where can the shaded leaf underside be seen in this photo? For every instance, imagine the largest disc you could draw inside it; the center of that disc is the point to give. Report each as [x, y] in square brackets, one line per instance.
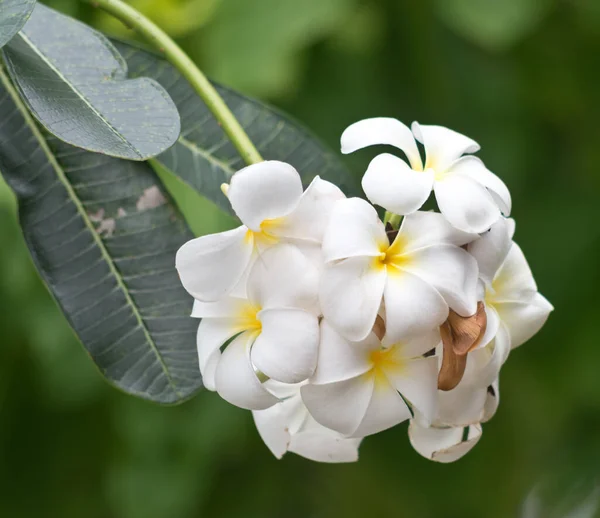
[103, 234]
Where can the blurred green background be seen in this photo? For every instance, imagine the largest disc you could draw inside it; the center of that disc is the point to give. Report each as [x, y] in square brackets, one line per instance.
[519, 76]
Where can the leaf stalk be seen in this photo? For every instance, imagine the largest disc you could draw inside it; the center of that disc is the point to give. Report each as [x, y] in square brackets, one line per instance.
[133, 19]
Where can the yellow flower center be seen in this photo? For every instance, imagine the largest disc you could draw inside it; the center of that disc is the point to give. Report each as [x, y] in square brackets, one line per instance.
[392, 255]
[265, 236]
[384, 360]
[247, 319]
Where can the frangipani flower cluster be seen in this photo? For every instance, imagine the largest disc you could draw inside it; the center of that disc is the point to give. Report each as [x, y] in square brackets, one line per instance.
[331, 326]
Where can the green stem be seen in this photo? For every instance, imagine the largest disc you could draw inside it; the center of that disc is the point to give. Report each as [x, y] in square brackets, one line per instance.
[180, 60]
[393, 219]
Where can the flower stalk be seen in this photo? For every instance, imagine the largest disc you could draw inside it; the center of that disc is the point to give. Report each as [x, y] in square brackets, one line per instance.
[180, 60]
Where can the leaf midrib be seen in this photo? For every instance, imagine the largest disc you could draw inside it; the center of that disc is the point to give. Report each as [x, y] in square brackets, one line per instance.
[79, 205]
[79, 94]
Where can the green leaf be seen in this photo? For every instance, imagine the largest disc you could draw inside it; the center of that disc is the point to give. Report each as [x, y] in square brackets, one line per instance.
[204, 158]
[103, 235]
[13, 15]
[75, 83]
[493, 24]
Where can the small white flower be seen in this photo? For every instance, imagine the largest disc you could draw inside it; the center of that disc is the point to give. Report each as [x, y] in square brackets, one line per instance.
[268, 199]
[457, 426]
[514, 307]
[358, 387]
[276, 329]
[287, 426]
[418, 276]
[468, 194]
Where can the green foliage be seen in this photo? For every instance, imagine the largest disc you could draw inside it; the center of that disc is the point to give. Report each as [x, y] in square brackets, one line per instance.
[103, 235]
[13, 15]
[204, 159]
[492, 24]
[92, 107]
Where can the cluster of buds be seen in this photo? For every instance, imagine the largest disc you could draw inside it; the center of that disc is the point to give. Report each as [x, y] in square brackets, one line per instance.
[331, 325]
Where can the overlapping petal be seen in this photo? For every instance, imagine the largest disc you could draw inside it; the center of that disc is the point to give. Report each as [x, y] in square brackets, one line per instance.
[211, 266]
[236, 380]
[466, 203]
[443, 146]
[264, 191]
[283, 276]
[452, 271]
[412, 306]
[491, 249]
[474, 168]
[350, 296]
[309, 219]
[525, 318]
[286, 348]
[354, 230]
[382, 130]
[423, 229]
[443, 444]
[390, 183]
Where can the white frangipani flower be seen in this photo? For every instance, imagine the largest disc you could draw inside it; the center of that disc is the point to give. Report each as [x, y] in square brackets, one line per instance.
[287, 426]
[358, 387]
[418, 275]
[268, 199]
[507, 287]
[276, 329]
[468, 194]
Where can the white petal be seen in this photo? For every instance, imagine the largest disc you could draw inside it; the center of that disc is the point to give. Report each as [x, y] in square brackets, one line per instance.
[461, 406]
[465, 203]
[492, 401]
[442, 444]
[415, 345]
[381, 130]
[423, 229]
[350, 296]
[483, 365]
[450, 270]
[212, 334]
[390, 183]
[273, 424]
[386, 409]
[211, 266]
[524, 319]
[354, 230]
[222, 308]
[210, 370]
[491, 328]
[340, 359]
[416, 380]
[491, 249]
[315, 442]
[236, 381]
[286, 349]
[514, 280]
[412, 306]
[474, 168]
[310, 218]
[340, 406]
[264, 191]
[282, 276]
[442, 145]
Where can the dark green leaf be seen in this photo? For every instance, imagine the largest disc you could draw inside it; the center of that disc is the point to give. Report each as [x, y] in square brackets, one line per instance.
[204, 158]
[75, 84]
[103, 234]
[13, 15]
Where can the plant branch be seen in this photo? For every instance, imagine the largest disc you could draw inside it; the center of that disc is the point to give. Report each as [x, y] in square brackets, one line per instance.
[180, 60]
